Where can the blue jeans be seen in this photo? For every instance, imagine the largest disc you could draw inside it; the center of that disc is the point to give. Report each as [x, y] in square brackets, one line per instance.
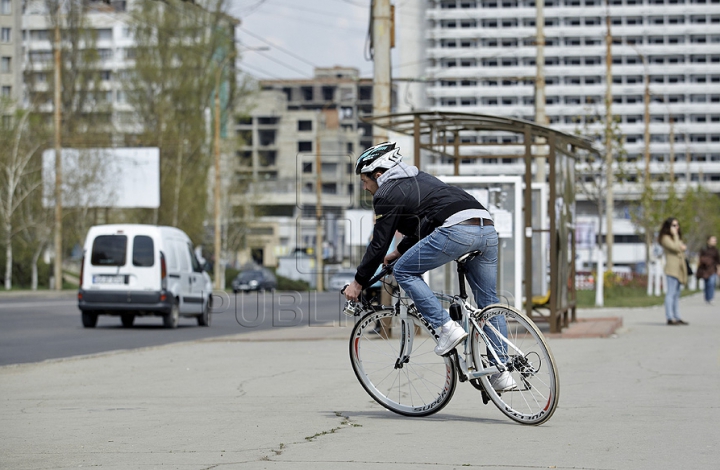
[442, 246]
[710, 287]
[672, 298]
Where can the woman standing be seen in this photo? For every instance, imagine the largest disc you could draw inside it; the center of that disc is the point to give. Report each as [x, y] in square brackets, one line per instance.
[670, 239]
[709, 266]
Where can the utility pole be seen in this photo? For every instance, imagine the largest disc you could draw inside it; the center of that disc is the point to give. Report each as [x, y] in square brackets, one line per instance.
[540, 116]
[381, 42]
[646, 119]
[57, 271]
[646, 152]
[609, 171]
[382, 36]
[318, 209]
[217, 267]
[672, 149]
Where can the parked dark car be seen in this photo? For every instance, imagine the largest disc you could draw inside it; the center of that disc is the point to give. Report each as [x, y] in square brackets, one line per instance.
[254, 280]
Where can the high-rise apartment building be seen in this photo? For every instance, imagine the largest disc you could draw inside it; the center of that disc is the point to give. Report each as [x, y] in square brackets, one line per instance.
[116, 49]
[10, 49]
[479, 56]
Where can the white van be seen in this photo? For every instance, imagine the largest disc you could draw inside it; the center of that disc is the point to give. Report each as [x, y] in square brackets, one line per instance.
[130, 270]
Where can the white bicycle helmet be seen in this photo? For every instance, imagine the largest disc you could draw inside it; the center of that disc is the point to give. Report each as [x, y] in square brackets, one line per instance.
[381, 156]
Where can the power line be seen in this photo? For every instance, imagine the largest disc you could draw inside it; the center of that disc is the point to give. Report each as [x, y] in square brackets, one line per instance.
[294, 18]
[253, 8]
[291, 54]
[282, 63]
[357, 4]
[244, 66]
[294, 6]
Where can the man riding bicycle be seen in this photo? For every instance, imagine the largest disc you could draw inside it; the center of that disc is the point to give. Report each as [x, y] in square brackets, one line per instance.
[439, 223]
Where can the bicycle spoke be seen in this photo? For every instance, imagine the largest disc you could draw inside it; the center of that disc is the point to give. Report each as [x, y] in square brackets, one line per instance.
[416, 382]
[530, 365]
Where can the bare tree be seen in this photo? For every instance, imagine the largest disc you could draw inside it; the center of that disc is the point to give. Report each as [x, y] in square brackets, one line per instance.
[592, 173]
[19, 179]
[178, 47]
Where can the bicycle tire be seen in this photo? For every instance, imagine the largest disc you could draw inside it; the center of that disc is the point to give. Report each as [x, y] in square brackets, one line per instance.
[537, 392]
[419, 387]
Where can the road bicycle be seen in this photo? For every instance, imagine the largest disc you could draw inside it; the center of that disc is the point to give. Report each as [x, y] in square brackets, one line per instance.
[392, 354]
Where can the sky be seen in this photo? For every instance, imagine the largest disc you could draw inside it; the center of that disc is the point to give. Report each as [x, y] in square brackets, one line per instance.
[301, 35]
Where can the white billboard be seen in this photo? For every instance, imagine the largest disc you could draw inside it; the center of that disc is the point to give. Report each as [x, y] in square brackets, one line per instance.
[104, 177]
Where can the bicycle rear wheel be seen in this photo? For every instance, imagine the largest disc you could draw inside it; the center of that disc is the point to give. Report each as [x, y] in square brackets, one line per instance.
[529, 362]
[411, 383]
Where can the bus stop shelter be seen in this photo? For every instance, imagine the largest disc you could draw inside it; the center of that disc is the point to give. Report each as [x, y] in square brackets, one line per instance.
[464, 137]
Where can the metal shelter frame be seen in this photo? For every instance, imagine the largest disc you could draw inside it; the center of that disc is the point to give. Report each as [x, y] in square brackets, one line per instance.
[446, 133]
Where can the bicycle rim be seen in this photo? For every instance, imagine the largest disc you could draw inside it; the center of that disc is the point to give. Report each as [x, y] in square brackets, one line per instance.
[419, 387]
[534, 372]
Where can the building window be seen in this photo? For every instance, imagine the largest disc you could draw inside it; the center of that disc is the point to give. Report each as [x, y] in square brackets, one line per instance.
[266, 137]
[307, 93]
[105, 54]
[328, 93]
[304, 125]
[268, 157]
[365, 93]
[6, 65]
[572, 80]
[307, 167]
[573, 42]
[5, 34]
[6, 7]
[6, 90]
[305, 146]
[104, 34]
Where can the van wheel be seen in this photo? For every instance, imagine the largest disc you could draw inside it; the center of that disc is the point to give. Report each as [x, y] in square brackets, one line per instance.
[204, 318]
[171, 320]
[127, 320]
[89, 319]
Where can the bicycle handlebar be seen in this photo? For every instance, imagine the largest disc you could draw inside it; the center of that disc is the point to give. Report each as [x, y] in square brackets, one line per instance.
[387, 269]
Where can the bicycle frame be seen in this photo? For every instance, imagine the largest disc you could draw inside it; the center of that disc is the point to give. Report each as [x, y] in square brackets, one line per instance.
[470, 316]
[465, 362]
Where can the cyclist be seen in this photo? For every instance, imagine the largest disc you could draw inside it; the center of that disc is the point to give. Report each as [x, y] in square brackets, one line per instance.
[440, 223]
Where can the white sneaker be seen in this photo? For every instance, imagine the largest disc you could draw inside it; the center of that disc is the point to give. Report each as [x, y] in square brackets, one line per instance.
[502, 382]
[449, 336]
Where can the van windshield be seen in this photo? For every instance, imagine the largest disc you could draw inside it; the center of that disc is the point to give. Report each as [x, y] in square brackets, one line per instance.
[109, 250]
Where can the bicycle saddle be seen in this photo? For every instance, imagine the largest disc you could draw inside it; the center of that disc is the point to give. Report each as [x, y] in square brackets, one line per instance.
[468, 256]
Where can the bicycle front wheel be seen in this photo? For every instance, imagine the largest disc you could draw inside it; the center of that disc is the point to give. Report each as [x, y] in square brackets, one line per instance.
[531, 397]
[397, 364]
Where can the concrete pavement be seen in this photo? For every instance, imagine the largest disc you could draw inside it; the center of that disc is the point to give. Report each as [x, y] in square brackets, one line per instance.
[646, 397]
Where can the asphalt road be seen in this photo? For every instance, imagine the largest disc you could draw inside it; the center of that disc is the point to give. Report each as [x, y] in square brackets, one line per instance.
[47, 326]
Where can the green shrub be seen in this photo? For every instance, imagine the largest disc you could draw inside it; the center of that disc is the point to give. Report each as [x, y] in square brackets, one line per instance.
[230, 274]
[291, 284]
